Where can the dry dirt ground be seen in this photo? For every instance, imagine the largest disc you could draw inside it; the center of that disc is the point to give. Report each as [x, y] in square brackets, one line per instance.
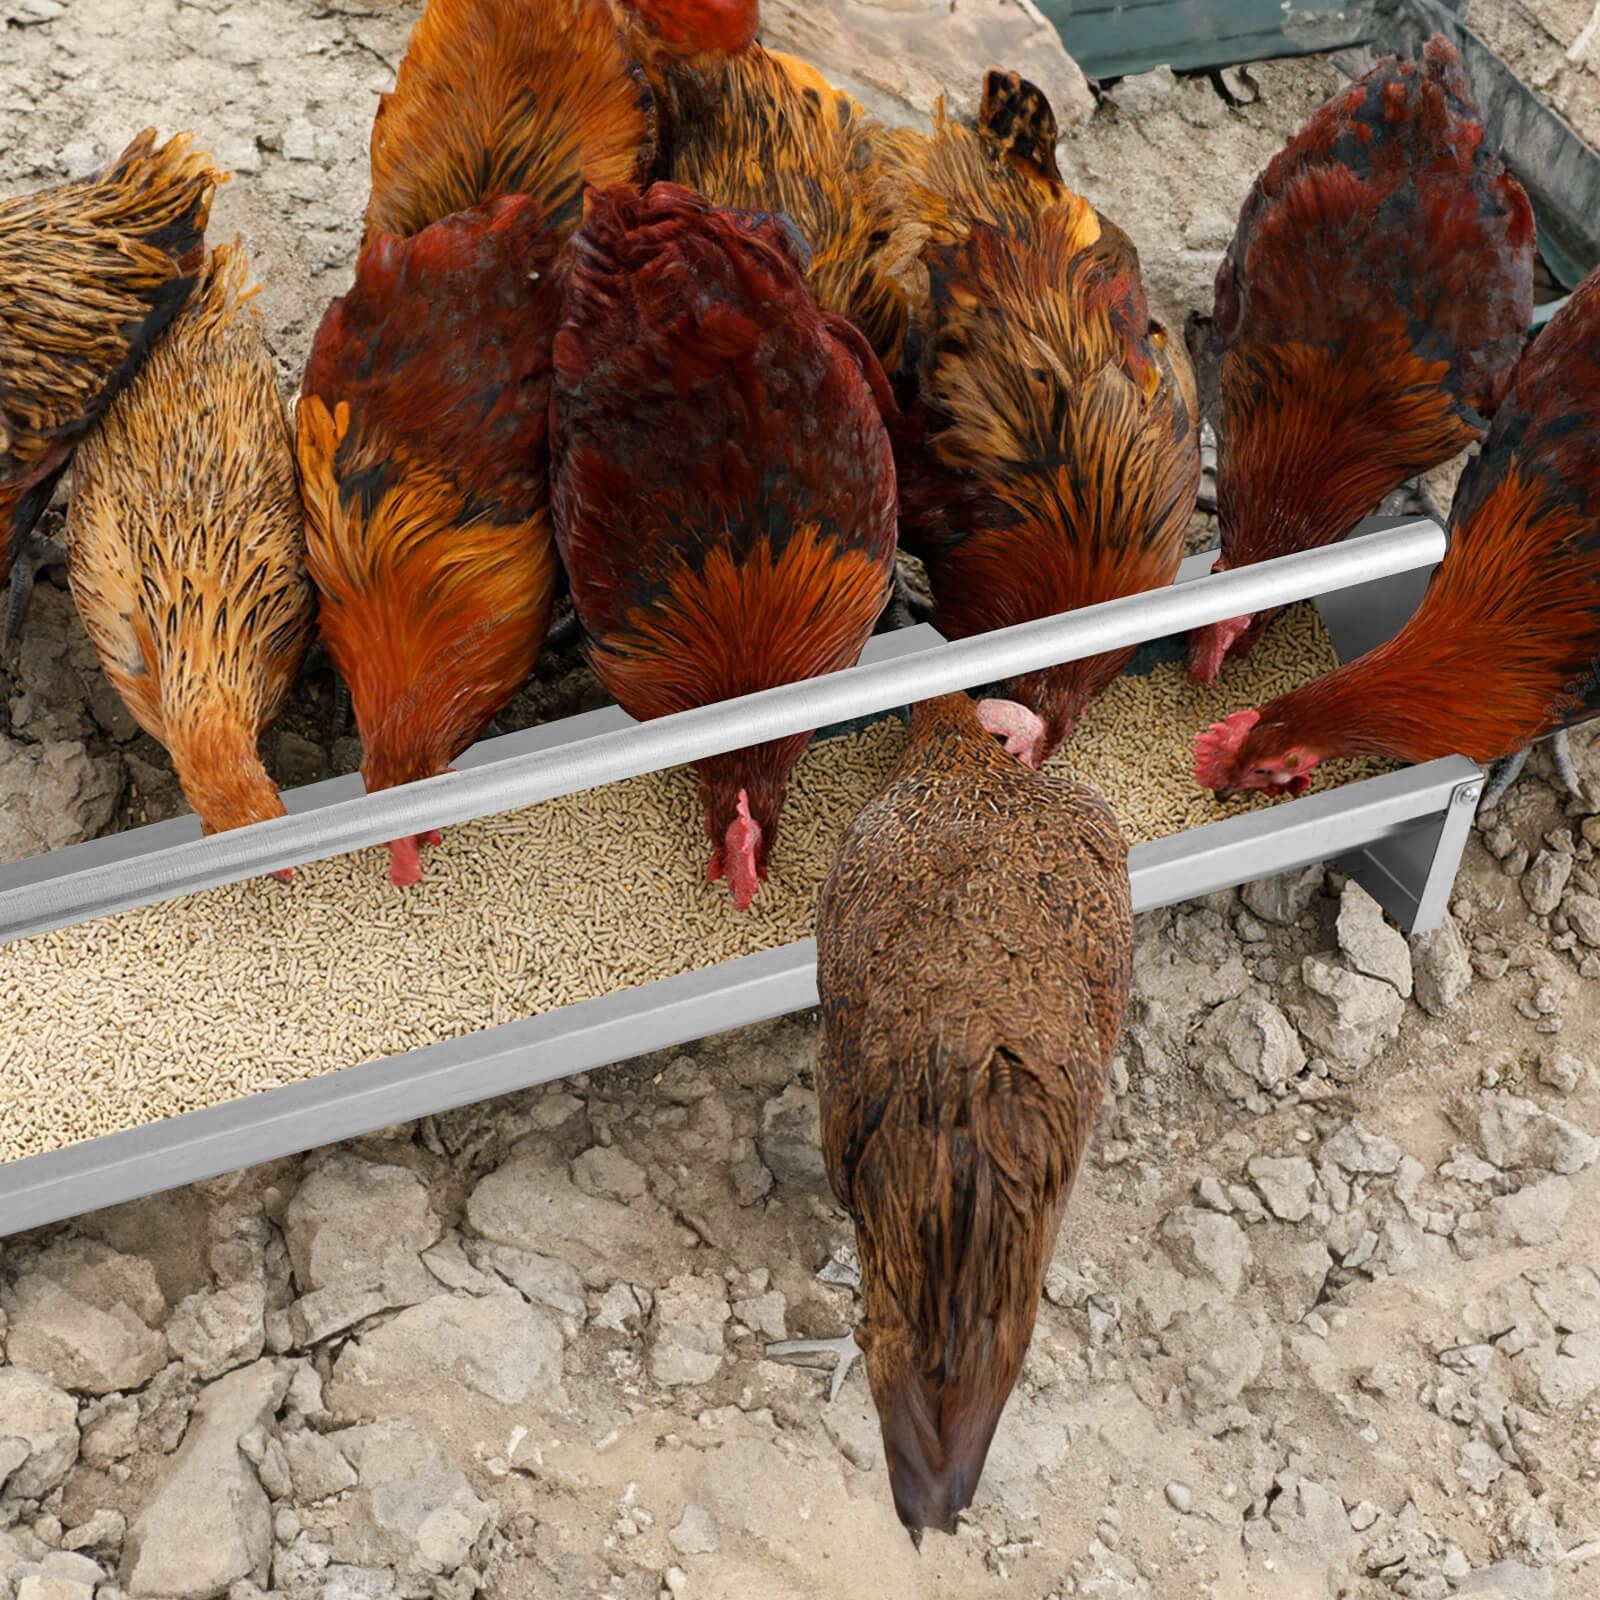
[1324, 1320]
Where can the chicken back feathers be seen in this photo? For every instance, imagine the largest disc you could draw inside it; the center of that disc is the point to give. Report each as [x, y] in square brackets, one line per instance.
[974, 954]
[90, 273]
[1505, 645]
[1052, 456]
[422, 448]
[723, 486]
[1368, 315]
[498, 97]
[187, 547]
[762, 131]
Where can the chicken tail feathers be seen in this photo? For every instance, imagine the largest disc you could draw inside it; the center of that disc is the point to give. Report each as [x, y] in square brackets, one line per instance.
[1017, 117]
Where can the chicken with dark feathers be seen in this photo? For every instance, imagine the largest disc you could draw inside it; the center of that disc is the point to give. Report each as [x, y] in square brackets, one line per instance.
[974, 954]
[1503, 649]
[723, 487]
[1369, 313]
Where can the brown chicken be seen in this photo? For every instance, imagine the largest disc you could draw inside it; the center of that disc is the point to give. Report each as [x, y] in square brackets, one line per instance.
[723, 485]
[186, 547]
[759, 130]
[1505, 647]
[1051, 456]
[1368, 316]
[90, 273]
[974, 954]
[422, 429]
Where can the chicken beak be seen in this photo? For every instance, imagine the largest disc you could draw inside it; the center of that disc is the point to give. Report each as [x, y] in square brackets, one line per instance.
[1225, 795]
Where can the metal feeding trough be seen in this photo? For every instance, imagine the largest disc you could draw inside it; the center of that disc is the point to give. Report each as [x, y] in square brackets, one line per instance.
[1401, 834]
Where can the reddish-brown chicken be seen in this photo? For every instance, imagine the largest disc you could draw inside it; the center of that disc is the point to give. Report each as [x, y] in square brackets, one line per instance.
[422, 430]
[723, 485]
[1368, 316]
[187, 548]
[1051, 456]
[90, 273]
[974, 954]
[1503, 649]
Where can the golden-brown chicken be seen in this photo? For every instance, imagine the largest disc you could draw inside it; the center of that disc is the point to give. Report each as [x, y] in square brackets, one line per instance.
[974, 953]
[90, 273]
[1051, 455]
[758, 130]
[498, 97]
[186, 547]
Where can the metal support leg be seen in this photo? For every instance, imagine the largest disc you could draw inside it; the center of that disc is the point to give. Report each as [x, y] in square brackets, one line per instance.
[1411, 873]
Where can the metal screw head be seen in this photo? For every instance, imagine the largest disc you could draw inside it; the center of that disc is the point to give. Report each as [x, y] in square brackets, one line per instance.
[1468, 793]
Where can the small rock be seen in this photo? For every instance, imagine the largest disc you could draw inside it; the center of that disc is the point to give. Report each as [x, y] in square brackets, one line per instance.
[83, 1314]
[1441, 968]
[299, 141]
[622, 1308]
[1206, 1244]
[1582, 912]
[361, 1225]
[1480, 1466]
[1245, 1045]
[1363, 1515]
[1143, 94]
[696, 1533]
[690, 1312]
[216, 1329]
[40, 1422]
[791, 1141]
[1285, 1184]
[325, 1312]
[1346, 1017]
[53, 794]
[109, 1435]
[1354, 1149]
[318, 1468]
[1371, 943]
[210, 1523]
[1545, 881]
[545, 1280]
[1180, 1497]
[414, 1508]
[607, 1172]
[37, 1587]
[1514, 1132]
[357, 1583]
[299, 760]
[1560, 1069]
[497, 1346]
[103, 1532]
[1508, 1580]
[763, 1313]
[1284, 900]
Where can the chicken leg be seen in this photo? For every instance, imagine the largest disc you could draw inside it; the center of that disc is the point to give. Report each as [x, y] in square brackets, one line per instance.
[1506, 772]
[844, 1347]
[32, 555]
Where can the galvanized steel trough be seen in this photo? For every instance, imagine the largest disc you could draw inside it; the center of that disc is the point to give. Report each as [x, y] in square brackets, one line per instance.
[1401, 834]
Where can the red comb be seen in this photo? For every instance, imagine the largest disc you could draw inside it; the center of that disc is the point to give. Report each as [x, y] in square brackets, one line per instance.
[1216, 748]
[737, 859]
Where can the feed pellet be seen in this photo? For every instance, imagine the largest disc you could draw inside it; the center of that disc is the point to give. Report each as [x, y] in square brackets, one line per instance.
[222, 994]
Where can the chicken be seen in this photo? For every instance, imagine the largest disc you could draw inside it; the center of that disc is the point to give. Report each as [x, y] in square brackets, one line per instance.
[499, 97]
[422, 430]
[1052, 454]
[723, 486]
[758, 130]
[186, 547]
[1368, 316]
[90, 273]
[974, 955]
[1503, 649]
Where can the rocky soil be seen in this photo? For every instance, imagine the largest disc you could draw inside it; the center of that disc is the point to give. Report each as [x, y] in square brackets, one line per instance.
[1324, 1320]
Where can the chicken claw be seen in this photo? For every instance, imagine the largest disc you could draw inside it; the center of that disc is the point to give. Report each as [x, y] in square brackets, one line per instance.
[1507, 771]
[844, 1347]
[33, 555]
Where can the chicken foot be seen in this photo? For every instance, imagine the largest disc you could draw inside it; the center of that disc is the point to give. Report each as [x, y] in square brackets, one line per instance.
[1506, 772]
[844, 1347]
[33, 554]
[905, 609]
